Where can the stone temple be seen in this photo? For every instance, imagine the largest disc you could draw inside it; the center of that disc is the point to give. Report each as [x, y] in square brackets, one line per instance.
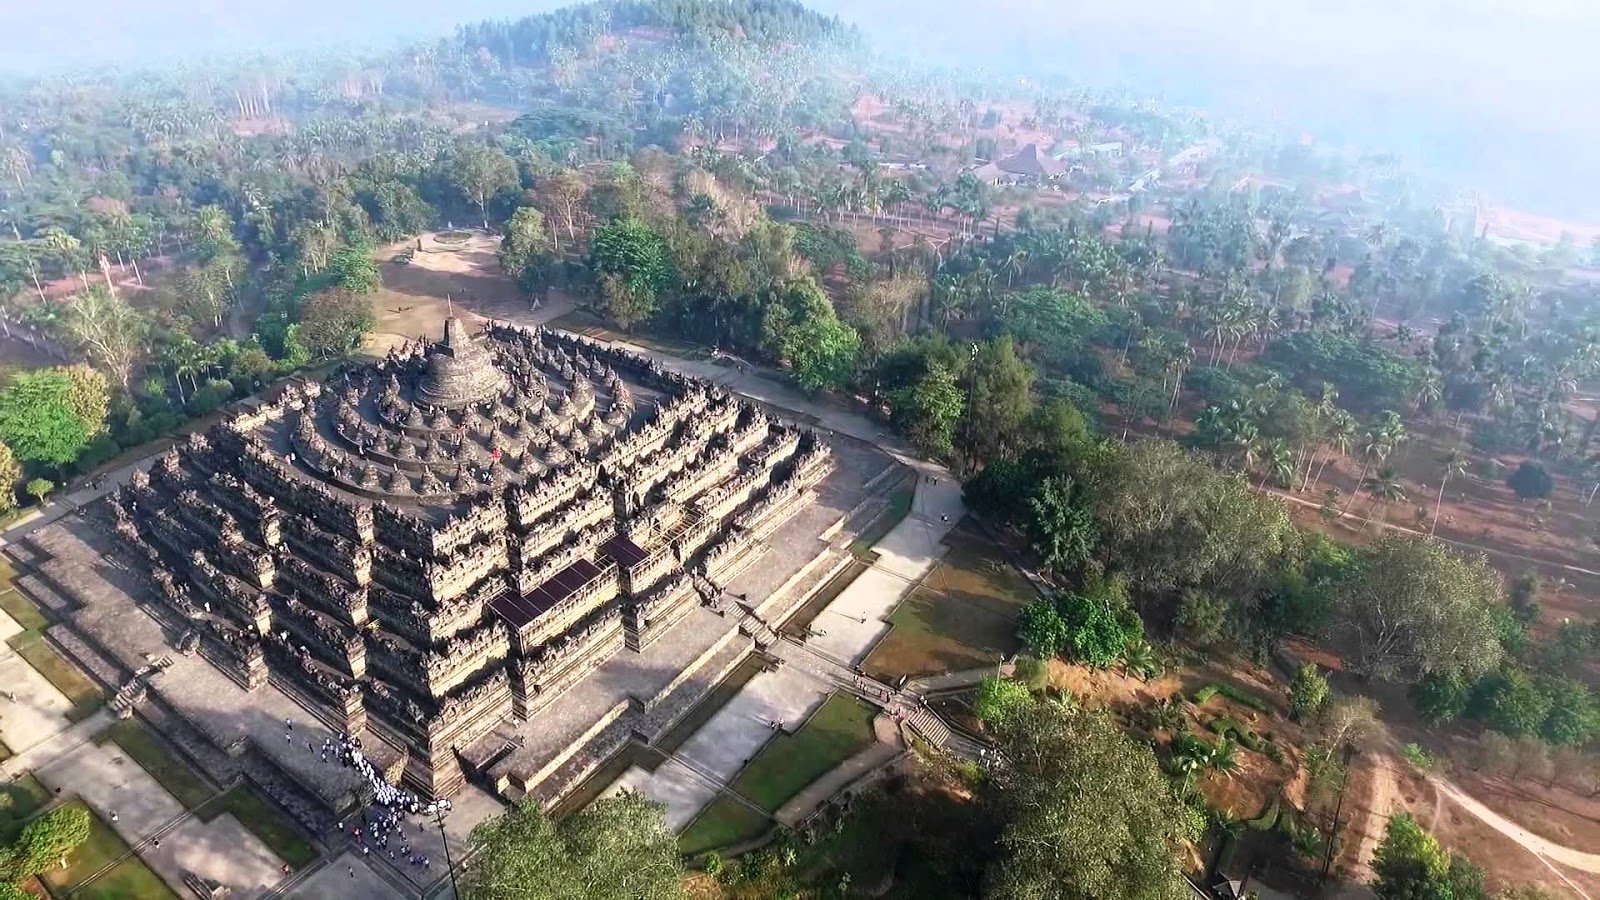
[459, 552]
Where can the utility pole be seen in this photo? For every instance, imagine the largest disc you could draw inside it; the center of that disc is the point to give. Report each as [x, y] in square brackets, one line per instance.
[1327, 860]
[439, 809]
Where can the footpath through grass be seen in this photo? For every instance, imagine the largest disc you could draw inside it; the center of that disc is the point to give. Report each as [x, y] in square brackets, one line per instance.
[84, 695]
[265, 821]
[153, 755]
[129, 879]
[840, 728]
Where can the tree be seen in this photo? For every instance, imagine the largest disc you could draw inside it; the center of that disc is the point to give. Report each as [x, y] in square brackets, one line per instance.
[1441, 697]
[1042, 628]
[1169, 519]
[1308, 691]
[1411, 865]
[354, 270]
[1574, 716]
[479, 172]
[525, 241]
[46, 842]
[1453, 465]
[1099, 622]
[928, 410]
[1061, 525]
[1511, 701]
[1087, 813]
[1530, 481]
[822, 351]
[617, 848]
[1002, 385]
[110, 331]
[1415, 608]
[10, 475]
[38, 419]
[39, 488]
[561, 195]
[634, 265]
[89, 398]
[333, 321]
[999, 699]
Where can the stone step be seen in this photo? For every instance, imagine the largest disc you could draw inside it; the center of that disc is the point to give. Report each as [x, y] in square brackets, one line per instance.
[930, 727]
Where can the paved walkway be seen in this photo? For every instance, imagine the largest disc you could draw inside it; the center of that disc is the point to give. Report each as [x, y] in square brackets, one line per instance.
[142, 813]
[39, 711]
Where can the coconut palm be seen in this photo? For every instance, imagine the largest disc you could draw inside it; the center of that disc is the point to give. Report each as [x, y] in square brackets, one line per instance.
[1453, 464]
[1385, 488]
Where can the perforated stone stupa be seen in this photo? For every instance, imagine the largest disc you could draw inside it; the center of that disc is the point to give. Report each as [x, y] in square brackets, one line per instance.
[445, 542]
[459, 370]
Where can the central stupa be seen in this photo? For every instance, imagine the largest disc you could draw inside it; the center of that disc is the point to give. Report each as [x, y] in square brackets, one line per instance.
[461, 371]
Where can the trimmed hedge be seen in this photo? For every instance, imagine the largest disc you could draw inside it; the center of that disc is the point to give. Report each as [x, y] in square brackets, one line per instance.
[1232, 693]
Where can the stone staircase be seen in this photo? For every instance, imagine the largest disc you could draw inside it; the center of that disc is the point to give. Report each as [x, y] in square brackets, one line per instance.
[929, 727]
[758, 630]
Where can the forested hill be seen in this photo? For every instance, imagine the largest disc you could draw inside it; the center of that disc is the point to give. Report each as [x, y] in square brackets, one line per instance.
[536, 39]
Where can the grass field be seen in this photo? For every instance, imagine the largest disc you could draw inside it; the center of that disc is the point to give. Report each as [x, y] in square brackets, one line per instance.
[899, 507]
[20, 799]
[838, 730]
[144, 748]
[21, 608]
[265, 821]
[725, 822]
[129, 879]
[963, 616]
[74, 685]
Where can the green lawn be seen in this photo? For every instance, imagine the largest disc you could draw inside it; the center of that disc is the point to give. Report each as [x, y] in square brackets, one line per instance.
[20, 799]
[899, 507]
[722, 824]
[21, 608]
[153, 755]
[266, 822]
[74, 685]
[130, 879]
[840, 728]
[963, 616]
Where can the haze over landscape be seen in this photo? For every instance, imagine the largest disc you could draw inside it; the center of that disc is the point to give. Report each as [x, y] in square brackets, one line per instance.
[752, 449]
[1491, 95]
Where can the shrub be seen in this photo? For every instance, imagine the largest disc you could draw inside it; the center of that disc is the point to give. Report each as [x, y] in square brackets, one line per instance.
[1531, 482]
[1033, 673]
[1244, 698]
[1234, 728]
[1268, 820]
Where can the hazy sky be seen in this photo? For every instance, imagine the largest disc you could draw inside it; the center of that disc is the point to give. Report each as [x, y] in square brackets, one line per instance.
[1504, 88]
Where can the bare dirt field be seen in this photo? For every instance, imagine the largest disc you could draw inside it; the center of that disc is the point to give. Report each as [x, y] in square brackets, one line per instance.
[417, 295]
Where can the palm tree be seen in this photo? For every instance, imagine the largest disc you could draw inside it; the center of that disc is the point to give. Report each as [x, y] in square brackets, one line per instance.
[1385, 488]
[1454, 463]
[1281, 465]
